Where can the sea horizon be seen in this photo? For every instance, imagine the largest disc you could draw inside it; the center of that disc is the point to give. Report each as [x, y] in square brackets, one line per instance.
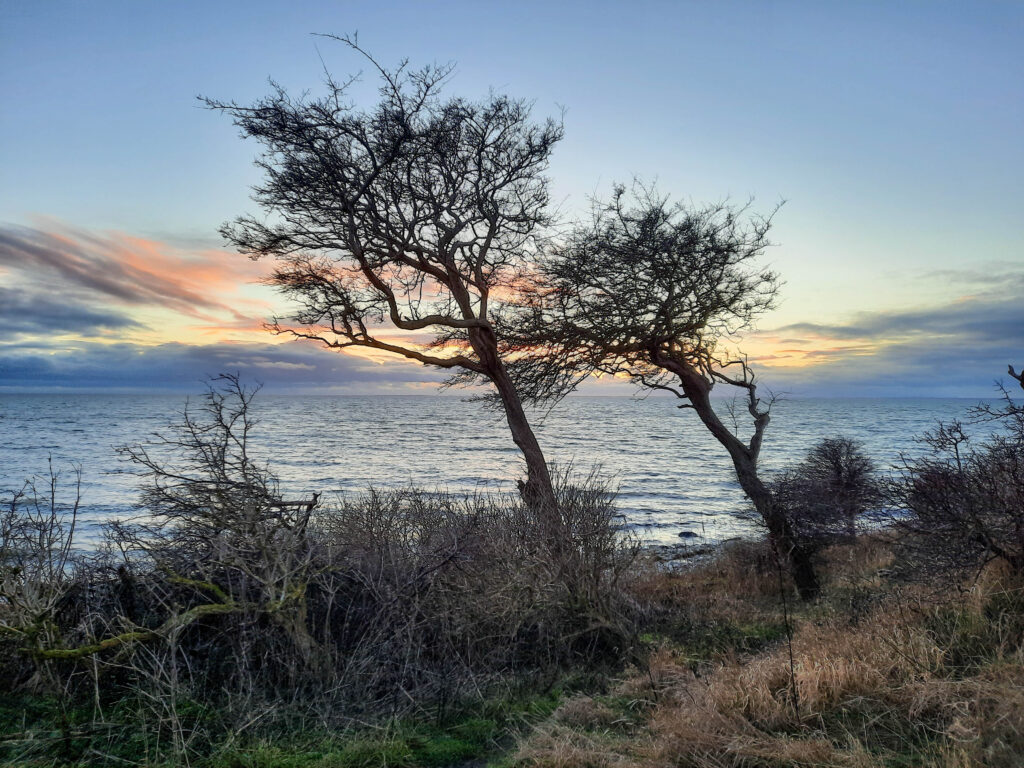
[673, 478]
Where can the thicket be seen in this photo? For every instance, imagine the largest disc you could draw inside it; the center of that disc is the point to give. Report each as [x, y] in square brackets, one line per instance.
[961, 503]
[225, 610]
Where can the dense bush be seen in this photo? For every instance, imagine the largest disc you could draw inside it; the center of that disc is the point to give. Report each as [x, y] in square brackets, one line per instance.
[224, 597]
[825, 494]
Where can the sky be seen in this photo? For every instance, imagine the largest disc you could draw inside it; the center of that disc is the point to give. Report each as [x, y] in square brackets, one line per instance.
[892, 131]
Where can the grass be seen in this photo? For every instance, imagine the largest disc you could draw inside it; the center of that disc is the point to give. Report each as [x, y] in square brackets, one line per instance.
[885, 674]
[468, 737]
[708, 640]
[37, 731]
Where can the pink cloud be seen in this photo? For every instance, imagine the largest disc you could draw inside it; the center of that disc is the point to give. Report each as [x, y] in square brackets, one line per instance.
[129, 270]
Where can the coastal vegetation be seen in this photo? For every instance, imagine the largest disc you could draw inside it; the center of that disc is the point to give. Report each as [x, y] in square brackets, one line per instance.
[227, 626]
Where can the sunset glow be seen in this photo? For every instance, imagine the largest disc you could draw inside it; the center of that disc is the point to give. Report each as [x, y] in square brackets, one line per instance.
[893, 142]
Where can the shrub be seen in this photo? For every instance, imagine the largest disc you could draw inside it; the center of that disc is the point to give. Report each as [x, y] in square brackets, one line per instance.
[225, 605]
[962, 506]
[37, 532]
[825, 495]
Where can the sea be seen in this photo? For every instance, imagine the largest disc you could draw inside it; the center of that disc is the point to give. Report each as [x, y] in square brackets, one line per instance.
[674, 481]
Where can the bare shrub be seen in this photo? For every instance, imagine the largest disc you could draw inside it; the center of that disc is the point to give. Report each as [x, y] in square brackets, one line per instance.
[451, 593]
[37, 533]
[961, 505]
[221, 595]
[826, 494]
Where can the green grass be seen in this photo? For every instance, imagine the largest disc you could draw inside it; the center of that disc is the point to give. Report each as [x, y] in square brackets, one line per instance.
[37, 731]
[408, 744]
[706, 640]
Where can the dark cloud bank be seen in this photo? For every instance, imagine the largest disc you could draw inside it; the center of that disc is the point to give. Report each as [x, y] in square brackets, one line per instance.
[35, 314]
[954, 350]
[179, 367]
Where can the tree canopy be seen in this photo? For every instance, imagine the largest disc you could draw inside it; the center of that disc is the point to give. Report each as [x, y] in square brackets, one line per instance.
[419, 214]
[644, 284]
[652, 290]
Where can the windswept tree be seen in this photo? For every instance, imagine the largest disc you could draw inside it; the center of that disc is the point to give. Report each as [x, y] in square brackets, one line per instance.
[417, 214]
[652, 290]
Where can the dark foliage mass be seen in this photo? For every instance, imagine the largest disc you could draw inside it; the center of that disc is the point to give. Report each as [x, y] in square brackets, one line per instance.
[826, 494]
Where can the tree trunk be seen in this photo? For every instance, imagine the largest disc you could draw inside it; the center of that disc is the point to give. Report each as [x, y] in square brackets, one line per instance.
[744, 460]
[538, 491]
[780, 532]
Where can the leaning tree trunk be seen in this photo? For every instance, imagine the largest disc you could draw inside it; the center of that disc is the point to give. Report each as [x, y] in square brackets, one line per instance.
[744, 459]
[538, 487]
[780, 531]
[538, 491]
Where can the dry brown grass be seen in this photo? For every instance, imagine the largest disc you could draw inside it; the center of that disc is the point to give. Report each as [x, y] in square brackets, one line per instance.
[866, 561]
[907, 681]
[554, 745]
[718, 608]
[745, 711]
[585, 712]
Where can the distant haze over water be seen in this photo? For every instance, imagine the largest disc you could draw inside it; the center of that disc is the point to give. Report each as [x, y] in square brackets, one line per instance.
[672, 475]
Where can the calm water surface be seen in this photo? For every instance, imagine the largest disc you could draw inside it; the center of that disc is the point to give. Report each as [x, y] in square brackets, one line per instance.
[672, 475]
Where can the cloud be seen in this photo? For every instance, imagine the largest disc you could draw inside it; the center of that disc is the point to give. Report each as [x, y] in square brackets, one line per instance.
[983, 316]
[25, 313]
[181, 367]
[927, 368]
[1001, 274]
[124, 269]
[820, 331]
[87, 311]
[80, 310]
[957, 348]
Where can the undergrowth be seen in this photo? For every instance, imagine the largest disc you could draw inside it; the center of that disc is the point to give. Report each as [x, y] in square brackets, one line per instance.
[886, 674]
[883, 674]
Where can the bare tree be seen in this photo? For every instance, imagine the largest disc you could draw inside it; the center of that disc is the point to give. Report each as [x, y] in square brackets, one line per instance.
[418, 213]
[651, 290]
